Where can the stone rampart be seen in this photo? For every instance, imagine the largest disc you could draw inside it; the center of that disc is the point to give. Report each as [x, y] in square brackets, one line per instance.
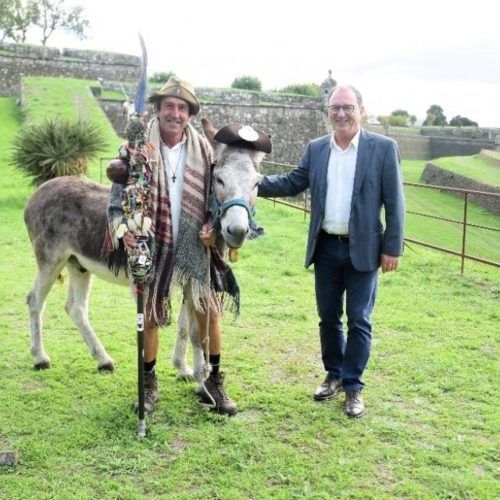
[17, 61]
[420, 147]
[437, 176]
[290, 128]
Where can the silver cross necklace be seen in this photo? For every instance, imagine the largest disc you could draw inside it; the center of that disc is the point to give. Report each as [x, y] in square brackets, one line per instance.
[169, 166]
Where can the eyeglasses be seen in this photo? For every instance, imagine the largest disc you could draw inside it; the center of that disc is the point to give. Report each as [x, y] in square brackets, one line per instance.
[348, 108]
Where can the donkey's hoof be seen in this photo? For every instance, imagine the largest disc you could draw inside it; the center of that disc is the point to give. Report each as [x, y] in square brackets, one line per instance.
[185, 376]
[107, 367]
[43, 365]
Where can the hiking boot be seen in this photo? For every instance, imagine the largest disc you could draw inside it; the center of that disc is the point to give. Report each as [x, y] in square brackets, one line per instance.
[329, 388]
[212, 395]
[354, 406]
[150, 392]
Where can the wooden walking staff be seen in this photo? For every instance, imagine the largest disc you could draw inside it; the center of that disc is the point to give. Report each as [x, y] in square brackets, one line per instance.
[137, 207]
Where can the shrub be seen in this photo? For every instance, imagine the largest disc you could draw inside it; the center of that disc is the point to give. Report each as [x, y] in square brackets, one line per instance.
[56, 147]
[462, 121]
[311, 89]
[161, 76]
[247, 83]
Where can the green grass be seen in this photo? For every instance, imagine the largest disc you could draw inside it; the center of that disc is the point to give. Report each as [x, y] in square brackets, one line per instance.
[491, 156]
[475, 167]
[431, 428]
[479, 242]
[112, 95]
[396, 130]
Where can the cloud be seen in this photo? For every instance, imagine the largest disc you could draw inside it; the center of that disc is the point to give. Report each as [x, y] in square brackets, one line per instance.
[478, 63]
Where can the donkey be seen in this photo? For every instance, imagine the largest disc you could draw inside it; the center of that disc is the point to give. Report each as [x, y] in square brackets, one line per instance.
[66, 219]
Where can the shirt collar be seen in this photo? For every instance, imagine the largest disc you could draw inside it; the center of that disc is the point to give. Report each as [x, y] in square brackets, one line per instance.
[177, 146]
[354, 141]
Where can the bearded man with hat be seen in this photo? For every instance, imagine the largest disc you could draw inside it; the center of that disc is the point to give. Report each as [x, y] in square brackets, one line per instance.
[180, 185]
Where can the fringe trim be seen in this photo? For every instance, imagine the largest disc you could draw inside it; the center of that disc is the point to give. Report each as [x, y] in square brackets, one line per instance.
[199, 291]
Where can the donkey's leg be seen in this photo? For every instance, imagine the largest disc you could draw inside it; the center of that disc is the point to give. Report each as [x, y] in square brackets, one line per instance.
[179, 356]
[77, 307]
[44, 279]
[201, 365]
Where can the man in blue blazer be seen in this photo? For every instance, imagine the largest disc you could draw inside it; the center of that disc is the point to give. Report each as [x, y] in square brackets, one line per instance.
[351, 174]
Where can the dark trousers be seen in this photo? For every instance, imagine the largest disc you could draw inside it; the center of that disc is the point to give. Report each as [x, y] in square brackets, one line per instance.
[334, 274]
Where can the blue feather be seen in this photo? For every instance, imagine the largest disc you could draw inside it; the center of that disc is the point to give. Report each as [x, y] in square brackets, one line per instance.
[140, 95]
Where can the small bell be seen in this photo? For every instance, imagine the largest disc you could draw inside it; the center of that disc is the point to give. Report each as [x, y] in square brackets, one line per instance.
[233, 255]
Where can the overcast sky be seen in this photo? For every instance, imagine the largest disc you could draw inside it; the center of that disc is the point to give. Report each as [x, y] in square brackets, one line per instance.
[401, 55]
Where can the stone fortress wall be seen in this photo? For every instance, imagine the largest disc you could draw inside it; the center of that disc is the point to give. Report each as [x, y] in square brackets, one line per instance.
[18, 60]
[291, 120]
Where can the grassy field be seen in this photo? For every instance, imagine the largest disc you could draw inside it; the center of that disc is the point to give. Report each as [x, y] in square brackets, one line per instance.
[479, 242]
[475, 167]
[431, 428]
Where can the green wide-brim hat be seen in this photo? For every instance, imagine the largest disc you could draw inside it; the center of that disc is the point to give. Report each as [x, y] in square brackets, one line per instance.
[178, 88]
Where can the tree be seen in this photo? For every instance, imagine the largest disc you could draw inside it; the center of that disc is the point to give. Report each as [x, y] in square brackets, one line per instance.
[462, 121]
[247, 83]
[393, 120]
[54, 15]
[16, 17]
[401, 118]
[435, 116]
[400, 112]
[5, 18]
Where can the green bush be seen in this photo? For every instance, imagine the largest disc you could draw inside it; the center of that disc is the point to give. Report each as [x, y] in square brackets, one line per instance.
[247, 83]
[393, 120]
[161, 76]
[311, 89]
[56, 147]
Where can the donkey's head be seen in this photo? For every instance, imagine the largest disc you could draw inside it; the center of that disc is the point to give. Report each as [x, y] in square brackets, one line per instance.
[236, 177]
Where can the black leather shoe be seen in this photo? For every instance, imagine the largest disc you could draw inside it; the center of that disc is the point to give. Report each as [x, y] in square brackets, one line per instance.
[354, 406]
[328, 389]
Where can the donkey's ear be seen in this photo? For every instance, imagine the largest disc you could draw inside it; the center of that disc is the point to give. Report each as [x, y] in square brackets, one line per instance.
[257, 157]
[209, 130]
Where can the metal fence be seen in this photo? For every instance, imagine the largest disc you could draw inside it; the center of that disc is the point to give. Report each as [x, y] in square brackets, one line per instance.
[303, 203]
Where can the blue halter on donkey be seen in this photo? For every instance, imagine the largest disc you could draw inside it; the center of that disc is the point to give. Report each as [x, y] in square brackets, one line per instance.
[219, 209]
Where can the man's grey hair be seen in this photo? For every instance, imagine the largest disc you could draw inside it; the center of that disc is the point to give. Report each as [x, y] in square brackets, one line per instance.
[348, 86]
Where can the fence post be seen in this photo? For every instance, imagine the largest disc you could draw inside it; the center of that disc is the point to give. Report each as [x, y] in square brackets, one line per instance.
[464, 232]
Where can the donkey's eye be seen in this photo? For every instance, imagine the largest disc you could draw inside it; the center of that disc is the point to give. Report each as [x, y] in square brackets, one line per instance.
[219, 181]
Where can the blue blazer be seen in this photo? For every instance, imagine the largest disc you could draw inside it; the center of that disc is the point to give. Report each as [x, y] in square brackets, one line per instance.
[377, 183]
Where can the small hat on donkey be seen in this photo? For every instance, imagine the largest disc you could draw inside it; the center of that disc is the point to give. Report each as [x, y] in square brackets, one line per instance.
[244, 136]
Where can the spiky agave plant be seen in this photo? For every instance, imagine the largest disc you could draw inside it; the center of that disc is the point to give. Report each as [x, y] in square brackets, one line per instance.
[56, 147]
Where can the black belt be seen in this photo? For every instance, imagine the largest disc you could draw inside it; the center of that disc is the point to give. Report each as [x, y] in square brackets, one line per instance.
[343, 238]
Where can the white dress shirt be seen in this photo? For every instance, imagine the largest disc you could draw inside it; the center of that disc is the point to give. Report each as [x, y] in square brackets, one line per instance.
[174, 161]
[340, 181]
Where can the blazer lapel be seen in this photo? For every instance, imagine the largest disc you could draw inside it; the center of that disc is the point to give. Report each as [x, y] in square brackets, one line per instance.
[364, 151]
[324, 156]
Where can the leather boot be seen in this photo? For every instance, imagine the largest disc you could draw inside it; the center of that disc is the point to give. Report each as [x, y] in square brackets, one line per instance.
[150, 392]
[212, 394]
